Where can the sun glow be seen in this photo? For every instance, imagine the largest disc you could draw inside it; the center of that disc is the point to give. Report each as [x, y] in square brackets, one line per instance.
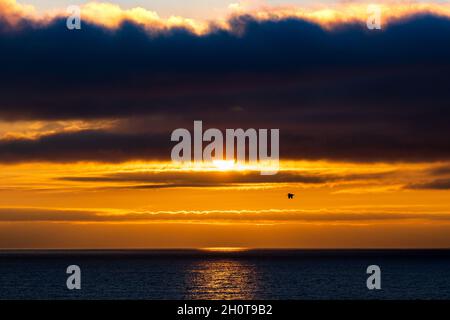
[224, 165]
[225, 249]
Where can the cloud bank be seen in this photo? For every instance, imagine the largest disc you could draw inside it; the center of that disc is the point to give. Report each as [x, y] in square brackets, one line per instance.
[345, 93]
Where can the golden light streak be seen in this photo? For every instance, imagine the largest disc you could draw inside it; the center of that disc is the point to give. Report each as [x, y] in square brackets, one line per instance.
[11, 130]
[47, 174]
[225, 249]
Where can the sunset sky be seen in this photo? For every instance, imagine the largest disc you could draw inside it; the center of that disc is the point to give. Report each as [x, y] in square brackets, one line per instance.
[86, 117]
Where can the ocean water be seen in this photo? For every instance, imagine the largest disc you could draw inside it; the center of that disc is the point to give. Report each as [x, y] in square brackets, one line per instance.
[254, 274]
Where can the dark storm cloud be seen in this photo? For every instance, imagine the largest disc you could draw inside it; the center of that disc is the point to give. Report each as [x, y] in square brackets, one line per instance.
[438, 184]
[441, 170]
[346, 94]
[187, 179]
[89, 145]
[173, 179]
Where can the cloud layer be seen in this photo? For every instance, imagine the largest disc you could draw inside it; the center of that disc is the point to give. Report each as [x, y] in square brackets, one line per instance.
[217, 216]
[345, 93]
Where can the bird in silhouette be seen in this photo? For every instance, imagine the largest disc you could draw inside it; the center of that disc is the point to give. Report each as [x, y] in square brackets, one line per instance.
[291, 195]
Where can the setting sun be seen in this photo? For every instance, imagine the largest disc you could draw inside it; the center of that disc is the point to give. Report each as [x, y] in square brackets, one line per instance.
[225, 165]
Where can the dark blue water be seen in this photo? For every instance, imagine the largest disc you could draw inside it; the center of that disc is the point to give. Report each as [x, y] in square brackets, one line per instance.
[256, 274]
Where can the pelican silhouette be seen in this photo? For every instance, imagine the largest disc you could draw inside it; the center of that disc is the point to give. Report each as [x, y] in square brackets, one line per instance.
[290, 195]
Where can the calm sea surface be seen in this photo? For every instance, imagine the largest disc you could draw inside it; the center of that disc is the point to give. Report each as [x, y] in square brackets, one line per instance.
[255, 274]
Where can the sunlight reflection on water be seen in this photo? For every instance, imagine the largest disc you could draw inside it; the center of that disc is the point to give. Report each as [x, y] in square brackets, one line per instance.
[222, 279]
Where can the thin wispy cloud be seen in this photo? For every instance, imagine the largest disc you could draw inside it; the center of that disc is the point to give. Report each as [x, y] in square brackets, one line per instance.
[220, 216]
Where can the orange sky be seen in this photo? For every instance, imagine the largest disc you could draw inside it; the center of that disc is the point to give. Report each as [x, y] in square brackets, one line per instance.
[352, 205]
[143, 204]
